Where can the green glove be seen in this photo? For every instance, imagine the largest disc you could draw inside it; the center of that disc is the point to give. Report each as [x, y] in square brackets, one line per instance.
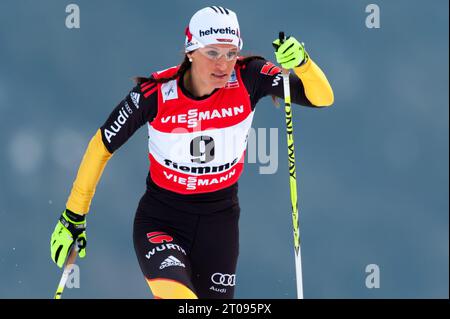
[70, 227]
[290, 53]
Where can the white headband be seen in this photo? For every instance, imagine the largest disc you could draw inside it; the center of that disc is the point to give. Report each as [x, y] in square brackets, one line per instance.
[212, 25]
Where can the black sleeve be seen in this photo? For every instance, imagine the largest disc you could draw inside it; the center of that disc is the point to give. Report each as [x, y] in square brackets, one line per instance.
[262, 78]
[137, 108]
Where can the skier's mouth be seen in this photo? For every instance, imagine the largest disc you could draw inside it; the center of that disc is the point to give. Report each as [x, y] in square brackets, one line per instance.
[220, 76]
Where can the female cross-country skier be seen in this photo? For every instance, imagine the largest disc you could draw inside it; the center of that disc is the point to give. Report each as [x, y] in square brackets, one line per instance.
[198, 115]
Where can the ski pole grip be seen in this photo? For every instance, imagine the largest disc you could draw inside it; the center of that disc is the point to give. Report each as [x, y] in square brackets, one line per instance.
[80, 243]
[281, 37]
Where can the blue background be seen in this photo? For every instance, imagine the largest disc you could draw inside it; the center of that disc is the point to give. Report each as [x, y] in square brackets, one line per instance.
[372, 170]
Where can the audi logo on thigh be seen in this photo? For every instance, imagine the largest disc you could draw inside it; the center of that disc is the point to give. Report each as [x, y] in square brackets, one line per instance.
[223, 279]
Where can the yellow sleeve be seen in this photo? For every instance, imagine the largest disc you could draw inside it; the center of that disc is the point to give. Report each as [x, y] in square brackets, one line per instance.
[91, 168]
[317, 88]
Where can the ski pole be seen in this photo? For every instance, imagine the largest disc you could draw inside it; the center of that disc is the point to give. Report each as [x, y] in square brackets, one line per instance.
[68, 267]
[292, 177]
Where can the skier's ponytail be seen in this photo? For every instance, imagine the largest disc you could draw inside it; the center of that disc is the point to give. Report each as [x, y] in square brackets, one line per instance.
[185, 65]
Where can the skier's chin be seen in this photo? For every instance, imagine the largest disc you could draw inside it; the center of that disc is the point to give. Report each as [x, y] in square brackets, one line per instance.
[218, 83]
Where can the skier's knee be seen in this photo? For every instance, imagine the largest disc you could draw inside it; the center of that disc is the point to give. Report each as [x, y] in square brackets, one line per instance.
[163, 288]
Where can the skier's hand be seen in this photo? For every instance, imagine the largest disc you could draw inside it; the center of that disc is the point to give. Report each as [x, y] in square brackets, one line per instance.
[290, 53]
[70, 227]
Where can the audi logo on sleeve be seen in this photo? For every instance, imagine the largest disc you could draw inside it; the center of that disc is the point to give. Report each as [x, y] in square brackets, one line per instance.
[198, 146]
[228, 280]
